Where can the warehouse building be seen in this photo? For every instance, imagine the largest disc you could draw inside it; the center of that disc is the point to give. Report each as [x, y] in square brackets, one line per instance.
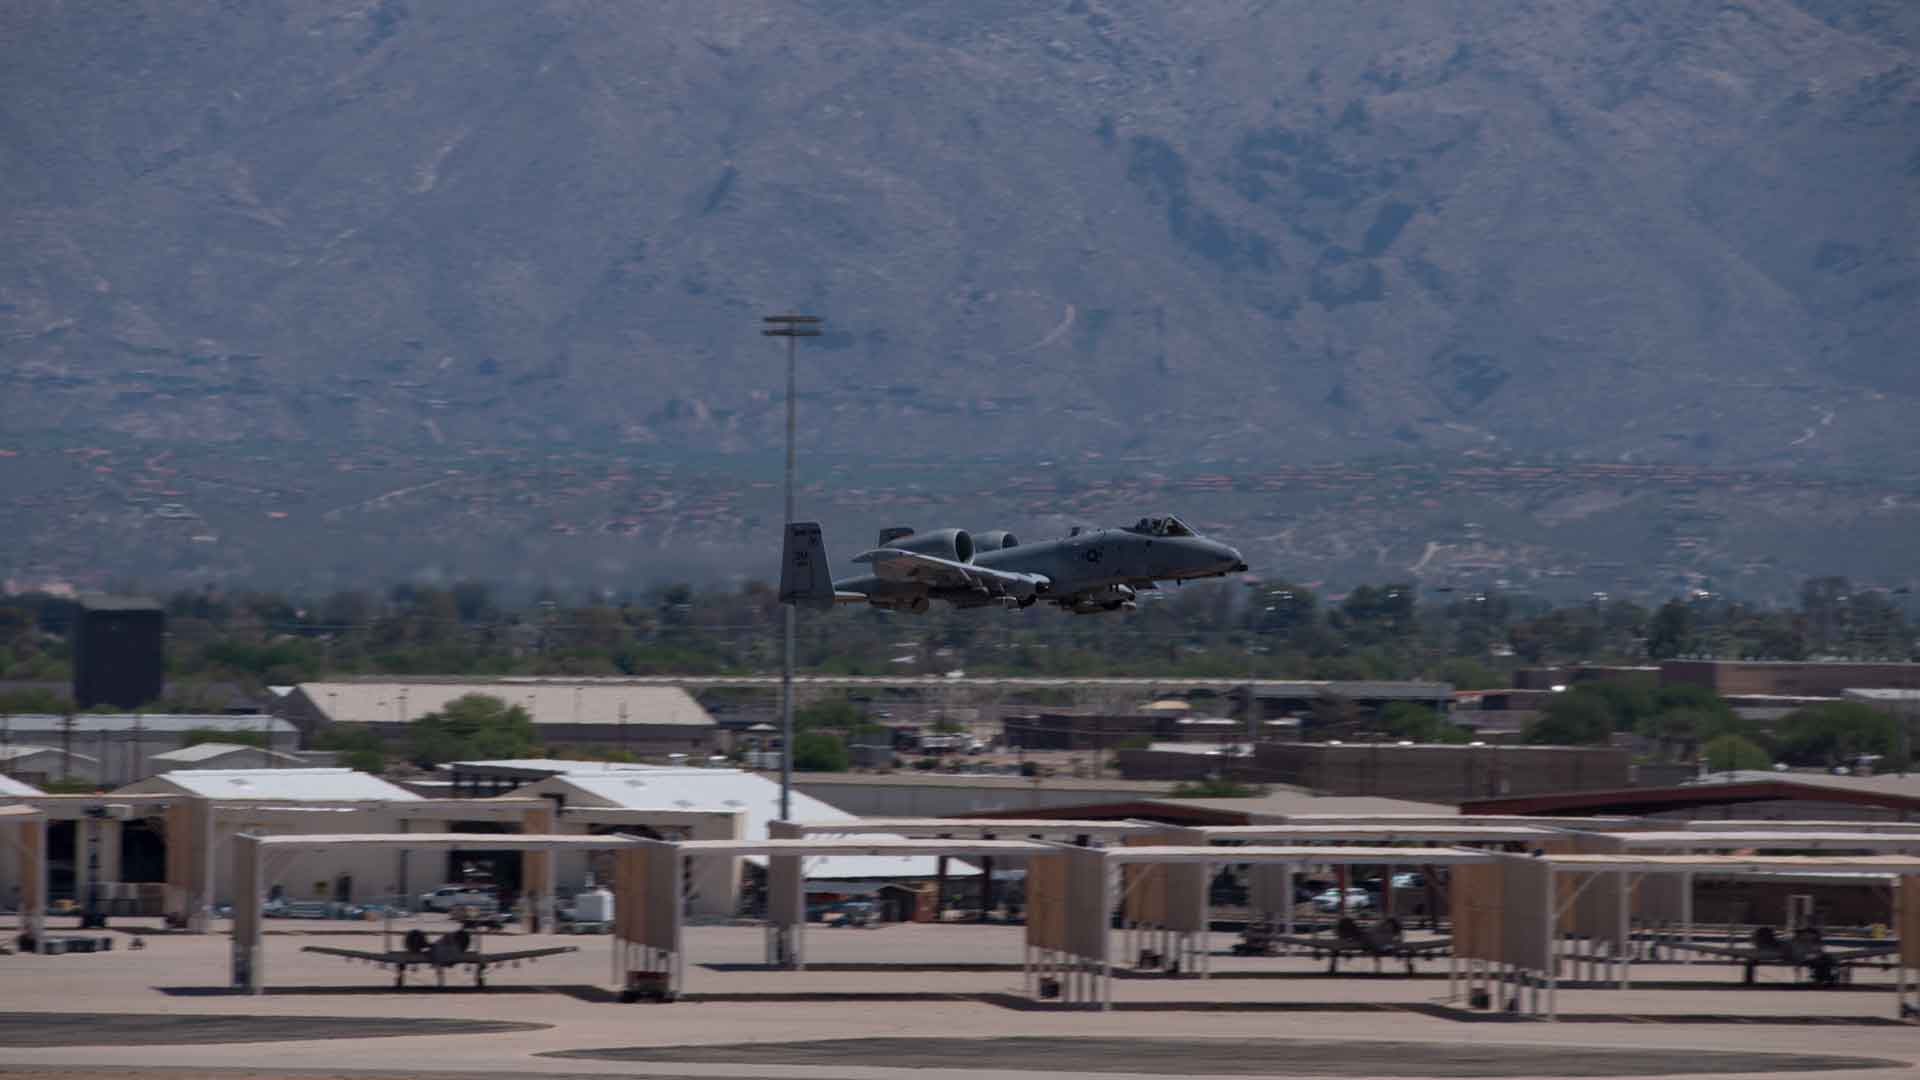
[574, 714]
[119, 748]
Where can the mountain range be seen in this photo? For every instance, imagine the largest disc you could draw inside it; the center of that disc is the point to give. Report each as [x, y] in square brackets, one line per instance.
[1153, 234]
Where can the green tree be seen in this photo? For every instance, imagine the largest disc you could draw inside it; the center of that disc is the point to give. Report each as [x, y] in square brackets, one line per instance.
[358, 747]
[472, 727]
[817, 751]
[1572, 719]
[1410, 720]
[1465, 673]
[1671, 631]
[828, 716]
[1724, 753]
[1834, 733]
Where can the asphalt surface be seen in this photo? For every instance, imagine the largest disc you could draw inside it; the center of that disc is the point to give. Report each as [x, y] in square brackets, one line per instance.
[1238, 1057]
[174, 1029]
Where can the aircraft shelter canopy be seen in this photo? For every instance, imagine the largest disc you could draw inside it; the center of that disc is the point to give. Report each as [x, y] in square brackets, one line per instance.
[1585, 824]
[803, 847]
[1386, 834]
[1739, 864]
[1262, 853]
[255, 865]
[1009, 827]
[1776, 841]
[1795, 826]
[442, 841]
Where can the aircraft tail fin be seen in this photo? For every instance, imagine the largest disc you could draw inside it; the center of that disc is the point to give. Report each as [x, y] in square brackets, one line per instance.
[804, 577]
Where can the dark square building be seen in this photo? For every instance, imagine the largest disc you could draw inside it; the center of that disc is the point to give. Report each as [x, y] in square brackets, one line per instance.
[119, 652]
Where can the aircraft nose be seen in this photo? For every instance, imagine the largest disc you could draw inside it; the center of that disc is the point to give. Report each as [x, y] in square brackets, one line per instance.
[1231, 554]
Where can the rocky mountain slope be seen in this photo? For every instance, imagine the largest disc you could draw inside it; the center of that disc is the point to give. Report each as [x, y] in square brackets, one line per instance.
[1244, 231]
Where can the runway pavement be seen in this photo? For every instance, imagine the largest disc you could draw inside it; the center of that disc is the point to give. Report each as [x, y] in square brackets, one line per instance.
[882, 1008]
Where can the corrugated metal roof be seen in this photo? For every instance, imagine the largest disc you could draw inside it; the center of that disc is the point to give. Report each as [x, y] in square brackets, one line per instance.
[10, 786]
[207, 751]
[94, 723]
[18, 752]
[553, 766]
[310, 785]
[757, 796]
[548, 701]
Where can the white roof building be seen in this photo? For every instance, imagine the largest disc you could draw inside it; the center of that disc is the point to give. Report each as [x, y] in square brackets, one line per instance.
[153, 725]
[301, 785]
[220, 755]
[10, 786]
[44, 763]
[547, 701]
[657, 788]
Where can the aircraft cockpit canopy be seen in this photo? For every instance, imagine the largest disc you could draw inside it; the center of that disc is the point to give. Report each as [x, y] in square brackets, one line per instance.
[1163, 526]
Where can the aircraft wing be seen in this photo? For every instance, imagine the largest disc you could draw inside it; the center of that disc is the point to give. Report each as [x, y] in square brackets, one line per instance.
[892, 564]
[1863, 952]
[1324, 944]
[1735, 951]
[517, 954]
[364, 954]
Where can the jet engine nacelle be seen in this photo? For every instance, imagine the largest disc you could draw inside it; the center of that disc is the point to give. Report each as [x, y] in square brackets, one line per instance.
[955, 544]
[994, 540]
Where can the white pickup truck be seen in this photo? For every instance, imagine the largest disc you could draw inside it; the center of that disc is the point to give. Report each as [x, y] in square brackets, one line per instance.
[448, 897]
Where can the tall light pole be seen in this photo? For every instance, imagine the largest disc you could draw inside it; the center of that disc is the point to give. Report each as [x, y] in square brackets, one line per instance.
[793, 328]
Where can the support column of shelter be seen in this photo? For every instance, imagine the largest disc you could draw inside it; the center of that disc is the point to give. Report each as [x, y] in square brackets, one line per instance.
[1069, 905]
[786, 901]
[107, 837]
[1907, 924]
[249, 890]
[1269, 906]
[1164, 907]
[23, 830]
[648, 954]
[714, 880]
[190, 863]
[82, 878]
[539, 870]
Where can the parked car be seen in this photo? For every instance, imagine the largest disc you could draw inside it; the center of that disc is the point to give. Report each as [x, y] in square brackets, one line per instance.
[1357, 900]
[448, 897]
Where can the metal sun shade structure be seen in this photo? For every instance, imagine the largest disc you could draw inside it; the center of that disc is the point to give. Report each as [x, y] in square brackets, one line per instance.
[1271, 886]
[23, 831]
[793, 328]
[1618, 880]
[652, 924]
[260, 860]
[1663, 905]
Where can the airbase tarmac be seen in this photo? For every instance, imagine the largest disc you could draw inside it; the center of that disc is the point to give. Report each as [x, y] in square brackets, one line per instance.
[931, 1001]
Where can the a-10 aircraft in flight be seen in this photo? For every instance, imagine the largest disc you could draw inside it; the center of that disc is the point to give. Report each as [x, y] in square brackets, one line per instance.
[1090, 570]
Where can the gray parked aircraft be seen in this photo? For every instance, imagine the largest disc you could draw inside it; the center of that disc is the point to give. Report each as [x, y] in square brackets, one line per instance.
[1088, 571]
[458, 948]
[1805, 948]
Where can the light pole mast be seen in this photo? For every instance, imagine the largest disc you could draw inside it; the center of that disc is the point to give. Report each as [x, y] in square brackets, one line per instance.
[793, 328]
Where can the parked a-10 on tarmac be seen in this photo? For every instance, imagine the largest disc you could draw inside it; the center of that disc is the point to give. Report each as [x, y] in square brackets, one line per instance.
[1088, 571]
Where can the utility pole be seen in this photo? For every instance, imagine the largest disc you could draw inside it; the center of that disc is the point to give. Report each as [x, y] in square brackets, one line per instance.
[1902, 705]
[793, 328]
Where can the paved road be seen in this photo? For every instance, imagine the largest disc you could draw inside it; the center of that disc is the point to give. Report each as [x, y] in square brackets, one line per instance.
[1248, 1057]
[162, 1029]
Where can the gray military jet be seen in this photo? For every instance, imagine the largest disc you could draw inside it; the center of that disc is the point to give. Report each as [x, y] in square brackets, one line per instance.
[1088, 571]
[1383, 939]
[1804, 949]
[458, 948]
